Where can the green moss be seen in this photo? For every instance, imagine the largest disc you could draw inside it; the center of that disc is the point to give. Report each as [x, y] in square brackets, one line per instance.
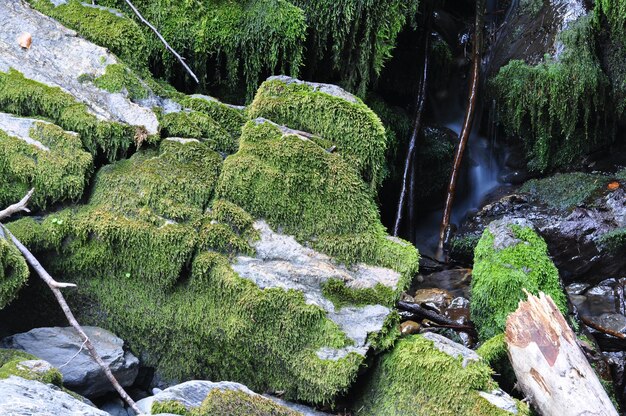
[435, 155]
[197, 125]
[557, 107]
[614, 240]
[13, 271]
[121, 35]
[494, 352]
[170, 406]
[500, 275]
[355, 129]
[231, 119]
[60, 173]
[118, 78]
[312, 194]
[357, 36]
[25, 97]
[10, 365]
[417, 379]
[340, 295]
[237, 403]
[565, 191]
[233, 215]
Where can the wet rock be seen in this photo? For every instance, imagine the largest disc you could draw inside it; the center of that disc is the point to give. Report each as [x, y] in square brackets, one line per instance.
[454, 281]
[29, 397]
[116, 408]
[433, 298]
[81, 374]
[409, 328]
[459, 311]
[617, 364]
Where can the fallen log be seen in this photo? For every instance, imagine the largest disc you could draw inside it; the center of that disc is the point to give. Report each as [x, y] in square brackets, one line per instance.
[550, 367]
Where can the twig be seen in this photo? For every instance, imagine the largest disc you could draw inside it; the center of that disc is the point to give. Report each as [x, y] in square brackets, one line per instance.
[55, 286]
[167, 45]
[75, 355]
[435, 317]
[18, 207]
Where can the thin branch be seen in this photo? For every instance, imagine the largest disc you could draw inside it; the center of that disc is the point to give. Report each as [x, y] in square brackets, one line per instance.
[54, 286]
[82, 347]
[18, 207]
[167, 45]
[435, 317]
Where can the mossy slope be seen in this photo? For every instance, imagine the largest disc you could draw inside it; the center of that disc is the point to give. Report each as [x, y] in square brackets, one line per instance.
[418, 379]
[355, 129]
[59, 173]
[500, 274]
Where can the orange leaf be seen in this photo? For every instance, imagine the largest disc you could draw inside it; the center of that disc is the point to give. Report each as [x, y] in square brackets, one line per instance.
[613, 186]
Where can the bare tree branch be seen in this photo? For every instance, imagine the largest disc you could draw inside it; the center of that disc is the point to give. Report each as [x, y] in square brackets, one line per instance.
[55, 288]
[167, 45]
[18, 207]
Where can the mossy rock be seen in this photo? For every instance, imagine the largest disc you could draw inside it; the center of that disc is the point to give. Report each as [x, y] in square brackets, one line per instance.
[565, 191]
[230, 118]
[107, 28]
[13, 271]
[56, 166]
[331, 113]
[314, 195]
[197, 125]
[119, 78]
[21, 364]
[509, 258]
[25, 97]
[416, 378]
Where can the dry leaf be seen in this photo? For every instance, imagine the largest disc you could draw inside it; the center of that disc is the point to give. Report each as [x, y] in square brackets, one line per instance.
[25, 40]
[613, 186]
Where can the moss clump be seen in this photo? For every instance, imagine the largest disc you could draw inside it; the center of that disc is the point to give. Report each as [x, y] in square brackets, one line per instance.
[120, 34]
[565, 191]
[10, 365]
[418, 379]
[25, 97]
[224, 42]
[57, 174]
[13, 271]
[312, 194]
[229, 118]
[358, 36]
[119, 78]
[237, 403]
[340, 295]
[499, 275]
[614, 240]
[197, 125]
[170, 406]
[355, 129]
[557, 106]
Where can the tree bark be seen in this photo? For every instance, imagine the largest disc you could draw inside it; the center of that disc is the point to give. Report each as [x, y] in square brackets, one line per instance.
[551, 369]
[467, 123]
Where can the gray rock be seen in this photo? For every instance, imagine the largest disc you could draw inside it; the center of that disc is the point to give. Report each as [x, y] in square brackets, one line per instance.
[19, 397]
[81, 374]
[190, 394]
[329, 89]
[58, 57]
[284, 263]
[116, 408]
[500, 399]
[20, 127]
[452, 348]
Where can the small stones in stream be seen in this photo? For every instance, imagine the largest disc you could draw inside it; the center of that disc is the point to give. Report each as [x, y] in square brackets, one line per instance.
[409, 328]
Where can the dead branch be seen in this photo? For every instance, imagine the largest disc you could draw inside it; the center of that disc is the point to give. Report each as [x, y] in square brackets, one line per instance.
[467, 123]
[55, 288]
[18, 207]
[167, 45]
[550, 367]
[435, 317]
[602, 329]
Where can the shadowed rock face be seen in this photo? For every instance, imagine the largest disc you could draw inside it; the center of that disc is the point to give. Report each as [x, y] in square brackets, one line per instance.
[58, 57]
[59, 346]
[22, 397]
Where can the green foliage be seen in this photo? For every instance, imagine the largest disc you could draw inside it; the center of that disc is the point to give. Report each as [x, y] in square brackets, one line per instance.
[357, 35]
[500, 275]
[565, 191]
[224, 41]
[58, 174]
[25, 97]
[556, 106]
[118, 78]
[119, 34]
[10, 366]
[315, 195]
[614, 240]
[13, 271]
[197, 125]
[340, 295]
[494, 352]
[355, 129]
[417, 379]
[170, 406]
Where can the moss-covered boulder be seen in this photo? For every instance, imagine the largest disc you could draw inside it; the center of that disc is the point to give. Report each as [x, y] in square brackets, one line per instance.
[40, 155]
[430, 375]
[330, 112]
[27, 366]
[13, 271]
[509, 257]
